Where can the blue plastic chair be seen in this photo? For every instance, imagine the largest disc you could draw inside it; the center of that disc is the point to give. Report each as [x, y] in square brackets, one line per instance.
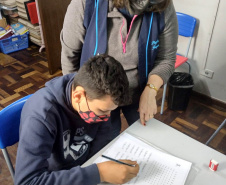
[186, 25]
[9, 128]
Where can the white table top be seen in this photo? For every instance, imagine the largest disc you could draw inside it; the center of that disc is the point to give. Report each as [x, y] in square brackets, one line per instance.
[178, 144]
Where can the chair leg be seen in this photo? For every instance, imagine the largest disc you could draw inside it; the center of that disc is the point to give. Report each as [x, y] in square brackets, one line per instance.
[8, 162]
[163, 98]
[215, 133]
[189, 67]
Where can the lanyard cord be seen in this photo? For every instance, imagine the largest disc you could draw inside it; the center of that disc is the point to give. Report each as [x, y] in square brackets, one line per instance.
[97, 7]
[147, 45]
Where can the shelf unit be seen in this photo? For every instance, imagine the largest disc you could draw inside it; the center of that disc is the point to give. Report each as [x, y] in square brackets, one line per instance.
[40, 25]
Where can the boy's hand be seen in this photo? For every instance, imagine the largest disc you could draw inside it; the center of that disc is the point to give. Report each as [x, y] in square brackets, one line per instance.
[116, 173]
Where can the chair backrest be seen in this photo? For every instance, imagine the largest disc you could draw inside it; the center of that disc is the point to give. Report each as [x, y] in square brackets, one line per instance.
[9, 128]
[186, 24]
[10, 122]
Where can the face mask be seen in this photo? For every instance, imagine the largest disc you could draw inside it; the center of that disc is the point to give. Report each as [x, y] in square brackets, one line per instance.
[137, 7]
[90, 117]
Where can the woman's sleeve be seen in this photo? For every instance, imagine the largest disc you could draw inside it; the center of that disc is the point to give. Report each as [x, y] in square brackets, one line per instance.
[72, 37]
[166, 57]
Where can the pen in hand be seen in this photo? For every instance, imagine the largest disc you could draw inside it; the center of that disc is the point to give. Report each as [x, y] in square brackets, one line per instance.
[117, 161]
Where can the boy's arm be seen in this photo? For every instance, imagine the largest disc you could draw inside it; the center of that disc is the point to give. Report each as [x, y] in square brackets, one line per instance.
[35, 147]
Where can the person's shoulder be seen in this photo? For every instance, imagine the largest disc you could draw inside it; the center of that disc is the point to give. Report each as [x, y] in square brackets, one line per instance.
[61, 79]
[78, 5]
[79, 2]
[41, 99]
[170, 12]
[42, 106]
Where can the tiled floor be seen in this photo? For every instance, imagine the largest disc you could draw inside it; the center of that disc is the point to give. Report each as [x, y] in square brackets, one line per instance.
[26, 71]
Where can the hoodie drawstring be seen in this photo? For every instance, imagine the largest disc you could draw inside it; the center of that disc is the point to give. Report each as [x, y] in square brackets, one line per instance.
[124, 43]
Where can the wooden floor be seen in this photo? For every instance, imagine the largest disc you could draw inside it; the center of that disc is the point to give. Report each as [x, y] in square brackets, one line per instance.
[26, 71]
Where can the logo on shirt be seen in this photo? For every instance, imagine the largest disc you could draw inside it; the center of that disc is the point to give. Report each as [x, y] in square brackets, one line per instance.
[155, 44]
[78, 146]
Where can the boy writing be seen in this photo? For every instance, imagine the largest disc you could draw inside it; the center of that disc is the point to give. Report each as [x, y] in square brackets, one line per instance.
[65, 123]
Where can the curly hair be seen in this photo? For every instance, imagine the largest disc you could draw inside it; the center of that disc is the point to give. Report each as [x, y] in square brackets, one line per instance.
[103, 75]
[154, 8]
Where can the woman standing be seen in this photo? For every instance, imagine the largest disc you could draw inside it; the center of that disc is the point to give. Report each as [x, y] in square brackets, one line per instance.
[141, 34]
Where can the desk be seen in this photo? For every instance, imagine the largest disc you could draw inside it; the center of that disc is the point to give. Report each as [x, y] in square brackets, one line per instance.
[182, 146]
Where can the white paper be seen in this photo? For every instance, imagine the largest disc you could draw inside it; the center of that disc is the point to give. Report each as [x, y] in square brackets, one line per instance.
[156, 167]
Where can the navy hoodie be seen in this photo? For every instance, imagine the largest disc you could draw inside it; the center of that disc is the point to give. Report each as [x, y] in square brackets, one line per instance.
[55, 141]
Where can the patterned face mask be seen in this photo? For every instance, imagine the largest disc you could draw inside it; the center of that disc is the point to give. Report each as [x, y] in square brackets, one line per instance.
[90, 117]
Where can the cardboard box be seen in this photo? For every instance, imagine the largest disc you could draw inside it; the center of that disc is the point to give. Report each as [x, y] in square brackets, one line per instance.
[3, 23]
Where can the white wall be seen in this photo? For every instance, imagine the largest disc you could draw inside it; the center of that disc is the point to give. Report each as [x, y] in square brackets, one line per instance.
[208, 48]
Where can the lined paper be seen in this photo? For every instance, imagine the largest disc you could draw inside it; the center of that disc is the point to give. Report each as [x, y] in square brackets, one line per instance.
[156, 167]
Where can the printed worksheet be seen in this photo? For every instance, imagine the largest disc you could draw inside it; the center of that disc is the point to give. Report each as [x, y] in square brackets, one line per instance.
[156, 167]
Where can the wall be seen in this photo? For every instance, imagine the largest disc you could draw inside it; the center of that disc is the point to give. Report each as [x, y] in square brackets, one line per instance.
[207, 51]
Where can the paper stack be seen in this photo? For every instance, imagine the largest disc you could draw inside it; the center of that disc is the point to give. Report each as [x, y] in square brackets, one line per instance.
[19, 28]
[34, 30]
[8, 3]
[21, 9]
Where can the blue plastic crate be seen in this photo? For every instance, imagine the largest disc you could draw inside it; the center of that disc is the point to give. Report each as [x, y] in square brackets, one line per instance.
[14, 43]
